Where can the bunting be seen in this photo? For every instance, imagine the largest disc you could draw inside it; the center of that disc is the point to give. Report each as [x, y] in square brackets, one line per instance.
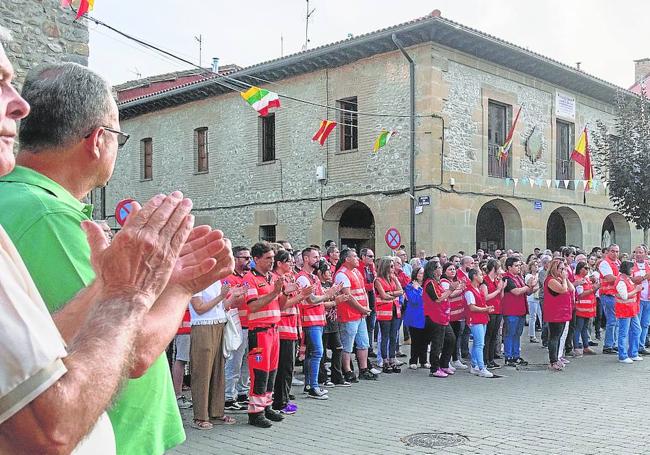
[261, 99]
[326, 127]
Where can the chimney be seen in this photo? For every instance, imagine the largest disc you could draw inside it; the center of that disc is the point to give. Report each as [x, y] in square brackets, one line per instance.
[641, 69]
[215, 64]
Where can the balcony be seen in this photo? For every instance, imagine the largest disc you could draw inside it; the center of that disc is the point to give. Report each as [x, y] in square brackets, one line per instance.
[497, 167]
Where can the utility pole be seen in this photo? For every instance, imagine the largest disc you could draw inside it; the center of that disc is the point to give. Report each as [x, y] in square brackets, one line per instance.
[309, 13]
[199, 39]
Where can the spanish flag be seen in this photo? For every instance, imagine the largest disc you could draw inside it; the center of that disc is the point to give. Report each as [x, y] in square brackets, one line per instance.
[582, 156]
[326, 127]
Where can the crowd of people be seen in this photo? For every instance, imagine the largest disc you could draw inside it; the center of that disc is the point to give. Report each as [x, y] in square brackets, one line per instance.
[458, 312]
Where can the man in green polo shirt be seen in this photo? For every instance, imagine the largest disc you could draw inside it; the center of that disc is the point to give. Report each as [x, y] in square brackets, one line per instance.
[69, 144]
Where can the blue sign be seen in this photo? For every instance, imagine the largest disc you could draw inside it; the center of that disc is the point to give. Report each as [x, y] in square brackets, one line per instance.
[537, 205]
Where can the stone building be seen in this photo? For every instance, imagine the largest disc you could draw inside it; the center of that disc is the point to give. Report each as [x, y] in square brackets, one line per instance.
[42, 32]
[263, 178]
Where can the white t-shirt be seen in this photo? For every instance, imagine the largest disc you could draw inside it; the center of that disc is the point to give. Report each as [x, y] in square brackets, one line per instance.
[303, 281]
[641, 272]
[32, 348]
[605, 269]
[342, 278]
[469, 298]
[621, 288]
[216, 313]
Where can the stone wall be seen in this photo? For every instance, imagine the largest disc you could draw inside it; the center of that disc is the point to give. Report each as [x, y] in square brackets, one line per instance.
[42, 32]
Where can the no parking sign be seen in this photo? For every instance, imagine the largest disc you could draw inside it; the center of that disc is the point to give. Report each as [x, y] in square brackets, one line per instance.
[393, 238]
[122, 210]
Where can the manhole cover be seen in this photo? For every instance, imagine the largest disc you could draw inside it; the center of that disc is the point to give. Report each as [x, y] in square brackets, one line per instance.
[433, 440]
[533, 367]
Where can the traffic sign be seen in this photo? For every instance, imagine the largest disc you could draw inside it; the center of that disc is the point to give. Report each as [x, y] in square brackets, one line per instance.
[393, 238]
[424, 200]
[122, 210]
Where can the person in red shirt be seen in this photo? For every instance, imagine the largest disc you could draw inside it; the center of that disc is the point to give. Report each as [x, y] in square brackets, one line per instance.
[557, 310]
[368, 272]
[388, 290]
[332, 257]
[494, 285]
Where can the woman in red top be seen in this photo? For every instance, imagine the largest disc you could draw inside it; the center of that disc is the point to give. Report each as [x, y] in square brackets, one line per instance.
[388, 311]
[436, 320]
[585, 308]
[493, 285]
[456, 311]
[557, 310]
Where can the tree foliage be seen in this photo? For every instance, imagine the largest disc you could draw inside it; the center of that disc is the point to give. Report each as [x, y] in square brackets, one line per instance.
[622, 158]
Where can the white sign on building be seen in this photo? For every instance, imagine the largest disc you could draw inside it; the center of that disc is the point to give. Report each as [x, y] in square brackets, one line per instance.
[565, 106]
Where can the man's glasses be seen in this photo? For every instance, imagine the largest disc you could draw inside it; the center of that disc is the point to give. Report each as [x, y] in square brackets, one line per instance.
[245, 258]
[121, 137]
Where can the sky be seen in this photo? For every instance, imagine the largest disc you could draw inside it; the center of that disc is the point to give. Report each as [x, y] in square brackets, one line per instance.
[604, 35]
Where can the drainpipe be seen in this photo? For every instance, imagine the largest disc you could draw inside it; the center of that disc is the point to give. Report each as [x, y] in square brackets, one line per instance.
[412, 154]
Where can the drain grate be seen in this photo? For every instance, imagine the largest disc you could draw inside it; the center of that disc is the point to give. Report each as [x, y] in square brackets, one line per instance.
[533, 367]
[433, 440]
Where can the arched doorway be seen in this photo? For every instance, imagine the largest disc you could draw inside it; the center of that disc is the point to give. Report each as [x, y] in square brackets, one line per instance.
[351, 223]
[498, 226]
[616, 229]
[563, 228]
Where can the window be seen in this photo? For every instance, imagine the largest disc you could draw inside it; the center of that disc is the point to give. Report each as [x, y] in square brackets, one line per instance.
[201, 141]
[498, 126]
[348, 122]
[146, 151]
[267, 138]
[565, 142]
[267, 233]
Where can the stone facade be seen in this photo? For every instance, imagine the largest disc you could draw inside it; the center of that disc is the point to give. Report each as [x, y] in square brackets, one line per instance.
[42, 32]
[239, 193]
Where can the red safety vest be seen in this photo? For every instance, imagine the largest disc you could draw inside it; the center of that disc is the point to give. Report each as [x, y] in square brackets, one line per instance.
[514, 305]
[626, 308]
[288, 325]
[312, 314]
[491, 287]
[609, 288]
[233, 281]
[586, 306]
[438, 311]
[456, 305]
[476, 317]
[384, 308]
[185, 327]
[344, 310]
[259, 286]
[557, 308]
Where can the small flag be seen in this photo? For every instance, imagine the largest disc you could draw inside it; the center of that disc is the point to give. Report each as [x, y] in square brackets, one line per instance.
[548, 183]
[261, 99]
[326, 127]
[382, 139]
[566, 184]
[557, 184]
[504, 150]
[515, 181]
[84, 6]
[582, 156]
[532, 182]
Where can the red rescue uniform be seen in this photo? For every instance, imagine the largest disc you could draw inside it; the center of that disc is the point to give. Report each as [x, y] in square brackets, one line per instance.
[436, 310]
[345, 311]
[312, 314]
[586, 306]
[477, 317]
[234, 281]
[384, 308]
[626, 308]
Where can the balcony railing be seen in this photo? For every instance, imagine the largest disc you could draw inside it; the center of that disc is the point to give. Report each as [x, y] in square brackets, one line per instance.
[497, 167]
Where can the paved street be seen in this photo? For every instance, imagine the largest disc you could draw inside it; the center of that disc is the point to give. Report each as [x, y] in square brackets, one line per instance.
[595, 406]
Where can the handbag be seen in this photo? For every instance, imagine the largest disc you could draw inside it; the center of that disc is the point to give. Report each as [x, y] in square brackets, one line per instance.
[232, 337]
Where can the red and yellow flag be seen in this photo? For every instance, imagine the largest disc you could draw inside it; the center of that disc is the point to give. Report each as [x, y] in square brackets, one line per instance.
[326, 127]
[582, 156]
[84, 6]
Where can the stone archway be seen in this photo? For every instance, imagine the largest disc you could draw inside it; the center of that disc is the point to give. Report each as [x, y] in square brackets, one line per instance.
[498, 226]
[563, 228]
[351, 223]
[616, 229]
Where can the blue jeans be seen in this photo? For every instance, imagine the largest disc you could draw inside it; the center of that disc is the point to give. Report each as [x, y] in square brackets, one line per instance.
[236, 370]
[629, 331]
[512, 340]
[535, 312]
[581, 333]
[354, 333]
[314, 342]
[608, 306]
[644, 319]
[389, 331]
[478, 333]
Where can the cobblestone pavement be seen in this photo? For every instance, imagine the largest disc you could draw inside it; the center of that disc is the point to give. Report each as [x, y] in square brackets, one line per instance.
[595, 406]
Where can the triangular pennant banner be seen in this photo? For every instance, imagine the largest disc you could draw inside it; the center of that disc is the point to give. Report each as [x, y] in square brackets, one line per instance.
[508, 181]
[605, 183]
[548, 183]
[538, 182]
[557, 183]
[575, 184]
[566, 183]
[596, 184]
[515, 181]
[532, 182]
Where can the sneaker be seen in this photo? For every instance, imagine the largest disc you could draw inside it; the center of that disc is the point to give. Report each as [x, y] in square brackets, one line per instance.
[398, 363]
[372, 354]
[644, 351]
[534, 340]
[289, 409]
[367, 375]
[511, 363]
[350, 377]
[400, 354]
[564, 360]
[458, 365]
[375, 371]
[588, 351]
[273, 415]
[342, 384]
[259, 420]
[387, 369]
[475, 371]
[296, 381]
[291, 397]
[626, 360]
[450, 366]
[484, 373]
[413, 366]
[234, 406]
[556, 366]
[498, 357]
[593, 343]
[609, 351]
[306, 389]
[520, 361]
[449, 371]
[183, 403]
[427, 365]
[328, 384]
[638, 358]
[242, 399]
[317, 394]
[397, 369]
[438, 374]
[577, 353]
